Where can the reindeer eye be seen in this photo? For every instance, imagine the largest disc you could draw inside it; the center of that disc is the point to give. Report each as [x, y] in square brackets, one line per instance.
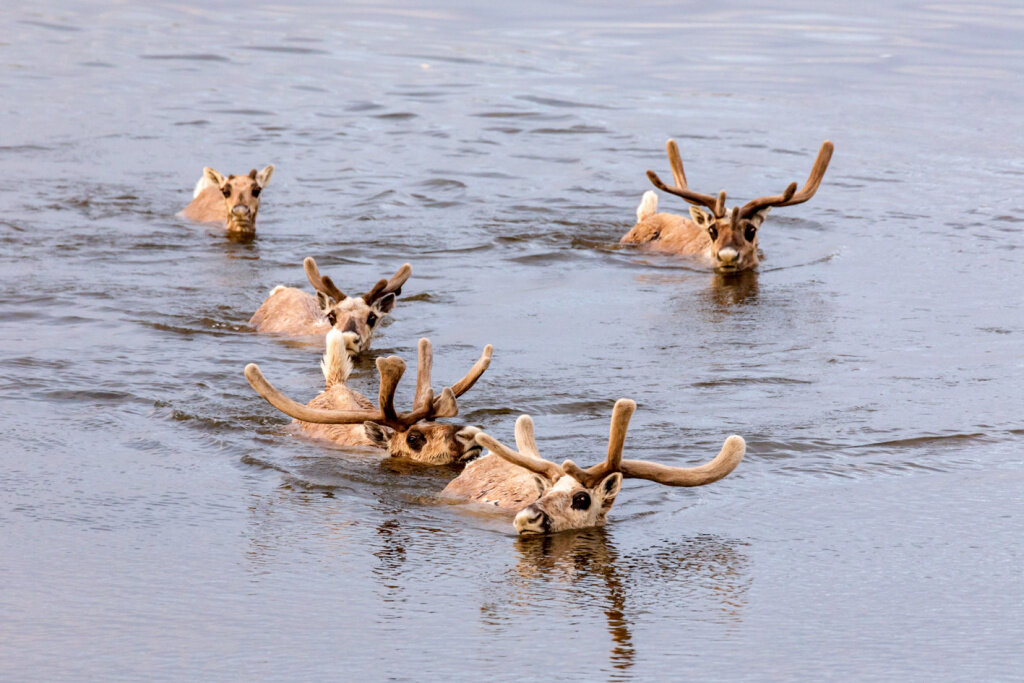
[750, 232]
[581, 501]
[371, 319]
[256, 190]
[332, 318]
[415, 440]
[713, 232]
[226, 190]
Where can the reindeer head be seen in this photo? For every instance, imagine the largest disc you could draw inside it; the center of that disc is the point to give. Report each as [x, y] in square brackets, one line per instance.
[241, 197]
[413, 435]
[733, 233]
[573, 498]
[358, 315]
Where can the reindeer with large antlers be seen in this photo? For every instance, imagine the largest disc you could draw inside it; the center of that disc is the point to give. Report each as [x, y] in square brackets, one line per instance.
[291, 311]
[348, 418]
[727, 238]
[234, 199]
[548, 498]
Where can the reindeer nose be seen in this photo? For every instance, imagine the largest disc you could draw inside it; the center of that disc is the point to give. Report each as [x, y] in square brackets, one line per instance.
[531, 520]
[728, 255]
[240, 210]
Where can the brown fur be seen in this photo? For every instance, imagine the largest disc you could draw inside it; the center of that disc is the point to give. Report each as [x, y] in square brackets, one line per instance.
[235, 200]
[673, 234]
[491, 480]
[430, 443]
[548, 498]
[293, 312]
[725, 239]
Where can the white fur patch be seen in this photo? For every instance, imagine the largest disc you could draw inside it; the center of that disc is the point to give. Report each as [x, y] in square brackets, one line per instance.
[648, 205]
[275, 290]
[336, 364]
[201, 185]
[565, 483]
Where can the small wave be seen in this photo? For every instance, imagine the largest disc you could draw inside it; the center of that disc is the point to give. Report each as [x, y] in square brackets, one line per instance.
[201, 57]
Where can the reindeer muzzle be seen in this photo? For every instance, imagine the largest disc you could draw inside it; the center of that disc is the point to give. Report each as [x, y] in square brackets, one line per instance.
[240, 211]
[532, 520]
[728, 256]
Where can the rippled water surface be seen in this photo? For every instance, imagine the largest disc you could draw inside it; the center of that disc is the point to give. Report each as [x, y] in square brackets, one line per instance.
[158, 520]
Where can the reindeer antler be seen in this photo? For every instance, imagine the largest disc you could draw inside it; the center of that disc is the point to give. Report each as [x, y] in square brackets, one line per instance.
[527, 456]
[721, 465]
[621, 414]
[791, 196]
[385, 287]
[716, 204]
[321, 283]
[391, 369]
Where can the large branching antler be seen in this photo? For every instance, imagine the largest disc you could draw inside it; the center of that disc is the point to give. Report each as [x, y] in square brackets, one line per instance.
[385, 287]
[791, 196]
[321, 283]
[527, 456]
[716, 204]
[324, 284]
[725, 462]
[621, 414]
[391, 369]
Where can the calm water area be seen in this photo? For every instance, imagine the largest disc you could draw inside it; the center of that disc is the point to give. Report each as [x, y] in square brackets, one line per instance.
[159, 520]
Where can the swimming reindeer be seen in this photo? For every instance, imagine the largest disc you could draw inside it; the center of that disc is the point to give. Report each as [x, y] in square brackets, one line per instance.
[726, 238]
[547, 498]
[347, 418]
[291, 311]
[234, 200]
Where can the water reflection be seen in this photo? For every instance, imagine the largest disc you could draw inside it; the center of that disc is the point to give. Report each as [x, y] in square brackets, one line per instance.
[581, 556]
[733, 289]
[692, 578]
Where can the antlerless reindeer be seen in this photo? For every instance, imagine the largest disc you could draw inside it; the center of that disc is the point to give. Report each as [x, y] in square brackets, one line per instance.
[727, 239]
[348, 418]
[291, 311]
[234, 200]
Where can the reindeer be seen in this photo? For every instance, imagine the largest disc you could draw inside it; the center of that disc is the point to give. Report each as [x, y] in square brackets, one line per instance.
[548, 498]
[728, 239]
[347, 418]
[234, 200]
[289, 310]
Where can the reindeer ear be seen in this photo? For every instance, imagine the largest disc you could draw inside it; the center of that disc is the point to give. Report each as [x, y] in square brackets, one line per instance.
[542, 484]
[263, 177]
[214, 177]
[386, 303]
[701, 217]
[759, 216]
[609, 488]
[325, 302]
[378, 434]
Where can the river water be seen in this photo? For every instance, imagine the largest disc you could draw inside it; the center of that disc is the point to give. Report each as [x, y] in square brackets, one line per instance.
[158, 520]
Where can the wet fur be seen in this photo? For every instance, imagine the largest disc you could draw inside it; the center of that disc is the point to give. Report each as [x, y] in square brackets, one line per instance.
[291, 311]
[442, 446]
[494, 481]
[670, 233]
[209, 205]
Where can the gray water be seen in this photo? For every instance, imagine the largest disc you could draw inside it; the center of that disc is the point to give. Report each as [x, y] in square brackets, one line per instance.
[158, 519]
